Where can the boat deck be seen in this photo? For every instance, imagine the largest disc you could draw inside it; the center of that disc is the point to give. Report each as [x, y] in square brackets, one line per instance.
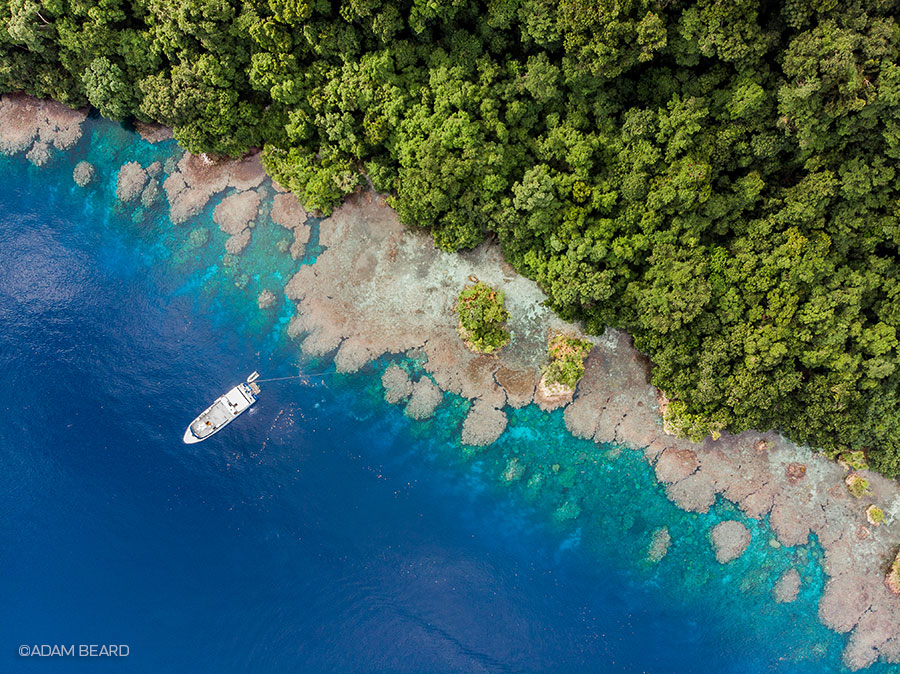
[217, 415]
[221, 412]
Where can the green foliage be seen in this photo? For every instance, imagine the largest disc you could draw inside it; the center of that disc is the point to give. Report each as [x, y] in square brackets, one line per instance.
[481, 318]
[718, 178]
[566, 365]
[875, 514]
[858, 486]
[107, 88]
[854, 460]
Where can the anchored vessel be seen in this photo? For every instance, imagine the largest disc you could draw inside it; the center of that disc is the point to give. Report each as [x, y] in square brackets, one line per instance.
[222, 412]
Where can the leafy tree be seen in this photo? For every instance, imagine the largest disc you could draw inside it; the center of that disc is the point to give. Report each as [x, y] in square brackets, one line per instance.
[481, 317]
[566, 364]
[107, 89]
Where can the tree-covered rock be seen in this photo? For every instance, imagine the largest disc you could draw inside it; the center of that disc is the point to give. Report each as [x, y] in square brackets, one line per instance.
[565, 364]
[482, 317]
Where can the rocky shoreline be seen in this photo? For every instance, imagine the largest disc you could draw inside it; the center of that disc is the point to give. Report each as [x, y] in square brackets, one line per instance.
[379, 288]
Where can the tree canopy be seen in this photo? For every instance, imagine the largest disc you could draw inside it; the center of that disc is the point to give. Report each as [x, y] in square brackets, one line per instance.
[718, 177]
[481, 318]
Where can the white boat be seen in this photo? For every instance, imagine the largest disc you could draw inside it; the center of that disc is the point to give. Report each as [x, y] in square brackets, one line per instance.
[222, 412]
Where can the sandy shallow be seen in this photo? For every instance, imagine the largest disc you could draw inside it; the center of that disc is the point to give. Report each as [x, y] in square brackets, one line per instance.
[379, 288]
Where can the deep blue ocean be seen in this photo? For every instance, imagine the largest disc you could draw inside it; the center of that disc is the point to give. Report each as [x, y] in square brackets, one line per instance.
[322, 531]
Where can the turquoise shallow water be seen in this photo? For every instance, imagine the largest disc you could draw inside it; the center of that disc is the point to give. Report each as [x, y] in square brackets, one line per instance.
[324, 531]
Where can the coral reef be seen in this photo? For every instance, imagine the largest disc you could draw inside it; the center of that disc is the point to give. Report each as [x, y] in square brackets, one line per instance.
[517, 384]
[131, 181]
[423, 399]
[730, 539]
[196, 178]
[674, 465]
[287, 212]
[265, 299]
[379, 288]
[39, 154]
[483, 424]
[659, 544]
[150, 193]
[153, 133]
[788, 587]
[236, 243]
[397, 385]
[514, 470]
[234, 213]
[27, 122]
[83, 173]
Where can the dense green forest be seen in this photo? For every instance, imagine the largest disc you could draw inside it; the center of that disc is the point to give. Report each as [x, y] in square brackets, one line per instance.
[718, 177]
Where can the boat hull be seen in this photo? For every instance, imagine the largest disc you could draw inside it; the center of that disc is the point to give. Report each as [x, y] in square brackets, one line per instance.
[222, 412]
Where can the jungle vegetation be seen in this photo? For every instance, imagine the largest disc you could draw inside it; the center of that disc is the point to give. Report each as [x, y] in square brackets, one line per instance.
[874, 514]
[857, 485]
[565, 364]
[482, 317]
[717, 177]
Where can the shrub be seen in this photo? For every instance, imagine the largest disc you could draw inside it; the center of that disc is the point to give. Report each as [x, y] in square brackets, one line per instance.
[481, 318]
[567, 356]
[874, 514]
[853, 460]
[857, 485]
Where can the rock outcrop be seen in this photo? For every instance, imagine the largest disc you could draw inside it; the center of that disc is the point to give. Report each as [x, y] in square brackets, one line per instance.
[892, 580]
[551, 396]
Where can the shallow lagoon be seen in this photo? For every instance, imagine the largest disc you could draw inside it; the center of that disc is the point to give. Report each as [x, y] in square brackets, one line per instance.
[323, 531]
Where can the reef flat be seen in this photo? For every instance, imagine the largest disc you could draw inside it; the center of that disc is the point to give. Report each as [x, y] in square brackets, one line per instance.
[378, 288]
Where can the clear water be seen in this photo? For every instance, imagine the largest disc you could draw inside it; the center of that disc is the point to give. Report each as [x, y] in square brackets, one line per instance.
[323, 531]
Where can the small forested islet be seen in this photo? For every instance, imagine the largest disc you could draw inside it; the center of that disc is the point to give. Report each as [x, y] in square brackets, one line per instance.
[482, 317]
[565, 360]
[717, 177]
